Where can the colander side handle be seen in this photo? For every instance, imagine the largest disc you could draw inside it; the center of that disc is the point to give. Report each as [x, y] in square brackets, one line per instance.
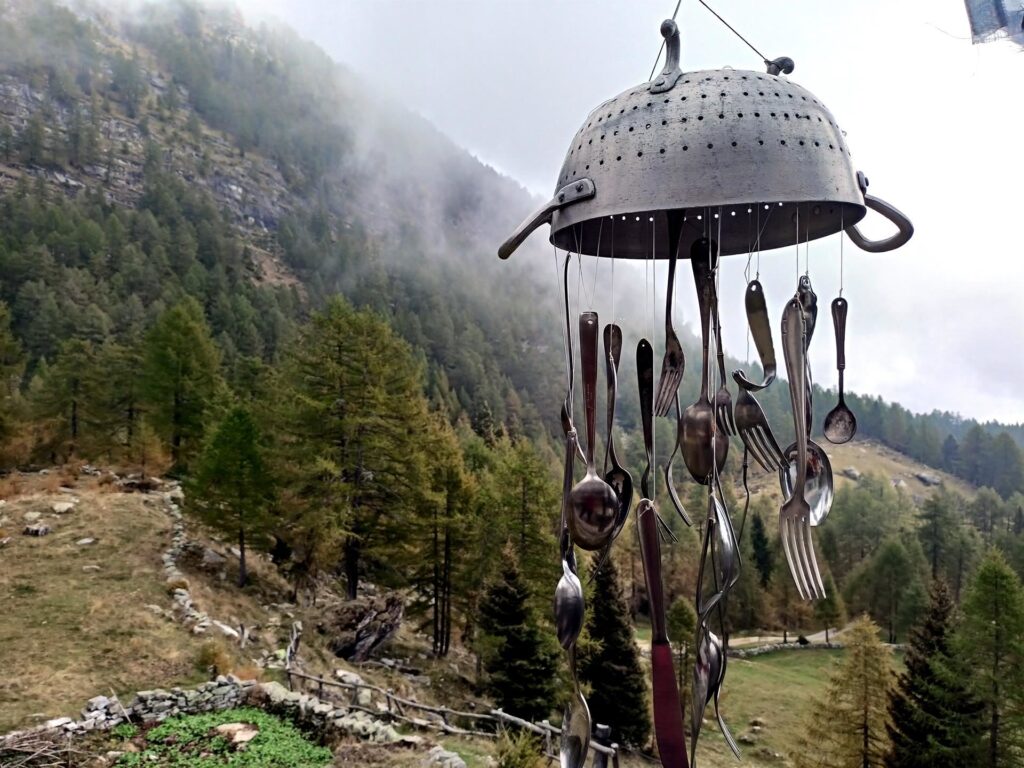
[903, 225]
[581, 189]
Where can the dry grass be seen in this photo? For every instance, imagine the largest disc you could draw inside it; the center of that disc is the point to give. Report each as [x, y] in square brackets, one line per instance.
[69, 634]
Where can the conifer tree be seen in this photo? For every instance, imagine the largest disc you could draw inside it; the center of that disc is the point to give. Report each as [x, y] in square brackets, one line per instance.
[180, 377]
[763, 556]
[519, 658]
[991, 643]
[830, 611]
[849, 725]
[936, 723]
[231, 487]
[612, 663]
[12, 367]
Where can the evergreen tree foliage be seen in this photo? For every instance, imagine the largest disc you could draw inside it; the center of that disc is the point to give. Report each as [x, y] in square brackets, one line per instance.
[519, 658]
[889, 587]
[352, 437]
[611, 666]
[990, 641]
[849, 727]
[180, 377]
[12, 369]
[231, 487]
[936, 723]
[830, 611]
[763, 555]
[682, 626]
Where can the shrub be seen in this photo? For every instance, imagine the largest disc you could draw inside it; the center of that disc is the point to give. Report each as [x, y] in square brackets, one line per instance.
[519, 749]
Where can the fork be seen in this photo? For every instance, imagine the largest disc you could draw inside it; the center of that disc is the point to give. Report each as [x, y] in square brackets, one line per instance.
[756, 433]
[673, 363]
[795, 513]
[723, 400]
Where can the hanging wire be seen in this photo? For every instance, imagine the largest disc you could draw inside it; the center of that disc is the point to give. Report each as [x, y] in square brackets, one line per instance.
[614, 319]
[798, 241]
[654, 311]
[842, 231]
[733, 30]
[565, 338]
[662, 46]
[597, 263]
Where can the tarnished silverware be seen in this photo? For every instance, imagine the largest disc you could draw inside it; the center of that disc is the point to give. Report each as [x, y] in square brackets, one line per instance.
[840, 424]
[794, 515]
[673, 364]
[617, 477]
[761, 331]
[756, 433]
[809, 303]
[820, 484]
[701, 453]
[668, 714]
[669, 483]
[570, 368]
[576, 723]
[723, 400]
[719, 654]
[569, 606]
[593, 506]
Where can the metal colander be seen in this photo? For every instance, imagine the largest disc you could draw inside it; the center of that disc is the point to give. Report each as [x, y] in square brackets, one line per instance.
[761, 152]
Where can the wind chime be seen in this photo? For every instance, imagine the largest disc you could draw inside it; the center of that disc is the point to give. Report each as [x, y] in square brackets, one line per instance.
[699, 165]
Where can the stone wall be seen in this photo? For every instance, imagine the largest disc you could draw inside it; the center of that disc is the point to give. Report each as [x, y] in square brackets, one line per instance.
[325, 720]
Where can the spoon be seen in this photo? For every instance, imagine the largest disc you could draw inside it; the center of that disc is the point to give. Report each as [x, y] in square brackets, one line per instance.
[696, 429]
[808, 300]
[719, 659]
[819, 486]
[669, 483]
[840, 424]
[617, 477]
[569, 605]
[576, 723]
[566, 415]
[593, 506]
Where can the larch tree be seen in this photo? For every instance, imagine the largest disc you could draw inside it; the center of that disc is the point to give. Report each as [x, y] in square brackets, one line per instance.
[611, 663]
[180, 377]
[353, 425]
[850, 722]
[936, 722]
[231, 487]
[830, 611]
[990, 641]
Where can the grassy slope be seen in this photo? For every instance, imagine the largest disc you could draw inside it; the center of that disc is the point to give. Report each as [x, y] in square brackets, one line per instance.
[69, 634]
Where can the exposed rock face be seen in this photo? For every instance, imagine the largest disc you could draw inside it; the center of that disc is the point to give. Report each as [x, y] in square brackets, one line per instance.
[357, 627]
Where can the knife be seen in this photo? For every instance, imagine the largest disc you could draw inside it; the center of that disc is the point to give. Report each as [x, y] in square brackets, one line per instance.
[668, 713]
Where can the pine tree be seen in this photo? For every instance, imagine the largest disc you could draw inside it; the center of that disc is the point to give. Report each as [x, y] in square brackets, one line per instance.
[991, 643]
[180, 377]
[849, 725]
[231, 488]
[682, 626]
[611, 665]
[936, 723]
[520, 660]
[12, 368]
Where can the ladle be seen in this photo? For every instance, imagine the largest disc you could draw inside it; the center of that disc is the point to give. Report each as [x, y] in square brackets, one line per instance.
[593, 506]
[840, 424]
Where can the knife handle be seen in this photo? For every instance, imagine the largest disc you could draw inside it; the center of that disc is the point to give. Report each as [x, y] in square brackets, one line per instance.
[650, 552]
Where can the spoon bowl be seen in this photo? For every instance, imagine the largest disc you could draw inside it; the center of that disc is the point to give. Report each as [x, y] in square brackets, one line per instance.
[840, 424]
[594, 510]
[819, 488]
[576, 724]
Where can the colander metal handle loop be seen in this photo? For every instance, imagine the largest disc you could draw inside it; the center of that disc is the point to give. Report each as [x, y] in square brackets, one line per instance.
[906, 229]
[581, 189]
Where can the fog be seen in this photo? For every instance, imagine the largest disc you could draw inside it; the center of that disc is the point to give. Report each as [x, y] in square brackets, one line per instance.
[930, 118]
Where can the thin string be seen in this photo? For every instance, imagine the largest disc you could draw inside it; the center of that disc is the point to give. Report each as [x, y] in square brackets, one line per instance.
[597, 263]
[842, 231]
[614, 319]
[798, 241]
[807, 250]
[733, 30]
[662, 46]
[654, 312]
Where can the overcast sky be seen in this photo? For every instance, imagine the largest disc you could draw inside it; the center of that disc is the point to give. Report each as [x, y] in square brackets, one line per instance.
[935, 122]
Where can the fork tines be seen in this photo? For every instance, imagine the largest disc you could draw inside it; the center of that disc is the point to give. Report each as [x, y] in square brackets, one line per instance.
[724, 417]
[668, 383]
[762, 445]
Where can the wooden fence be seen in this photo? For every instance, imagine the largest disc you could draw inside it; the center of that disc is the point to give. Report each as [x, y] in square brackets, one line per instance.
[444, 719]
